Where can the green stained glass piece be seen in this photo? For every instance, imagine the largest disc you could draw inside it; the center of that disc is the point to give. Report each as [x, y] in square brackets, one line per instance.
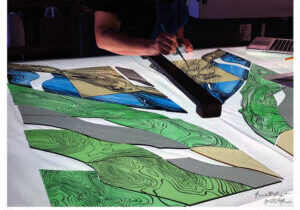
[175, 129]
[178, 130]
[259, 106]
[81, 147]
[75, 107]
[139, 170]
[85, 189]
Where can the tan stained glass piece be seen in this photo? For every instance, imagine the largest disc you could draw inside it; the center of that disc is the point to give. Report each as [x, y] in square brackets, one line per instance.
[233, 157]
[203, 72]
[286, 141]
[104, 80]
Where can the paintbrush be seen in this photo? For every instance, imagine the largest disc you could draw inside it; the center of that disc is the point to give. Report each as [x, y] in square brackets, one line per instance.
[177, 49]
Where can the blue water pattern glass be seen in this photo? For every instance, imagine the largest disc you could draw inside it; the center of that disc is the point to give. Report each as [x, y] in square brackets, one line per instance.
[228, 57]
[60, 85]
[21, 77]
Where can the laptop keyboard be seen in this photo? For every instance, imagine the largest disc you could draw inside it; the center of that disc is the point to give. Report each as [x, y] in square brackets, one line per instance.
[283, 45]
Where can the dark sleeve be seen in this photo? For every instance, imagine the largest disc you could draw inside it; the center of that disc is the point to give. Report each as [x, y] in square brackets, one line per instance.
[110, 6]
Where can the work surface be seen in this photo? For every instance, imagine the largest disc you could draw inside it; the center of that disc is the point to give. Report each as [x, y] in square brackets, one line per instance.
[25, 183]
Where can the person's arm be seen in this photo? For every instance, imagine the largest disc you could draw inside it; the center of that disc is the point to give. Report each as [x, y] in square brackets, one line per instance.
[184, 41]
[108, 37]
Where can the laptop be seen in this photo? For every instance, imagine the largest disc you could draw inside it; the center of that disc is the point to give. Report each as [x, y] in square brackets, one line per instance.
[272, 45]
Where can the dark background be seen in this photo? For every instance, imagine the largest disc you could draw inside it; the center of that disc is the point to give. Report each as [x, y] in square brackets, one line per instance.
[70, 33]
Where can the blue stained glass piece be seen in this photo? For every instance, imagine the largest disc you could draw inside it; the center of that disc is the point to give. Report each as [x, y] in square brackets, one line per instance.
[119, 98]
[228, 57]
[140, 100]
[21, 77]
[59, 84]
[234, 70]
[158, 101]
[223, 90]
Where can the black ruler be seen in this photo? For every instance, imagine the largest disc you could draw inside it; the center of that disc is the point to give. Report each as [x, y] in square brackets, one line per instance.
[206, 105]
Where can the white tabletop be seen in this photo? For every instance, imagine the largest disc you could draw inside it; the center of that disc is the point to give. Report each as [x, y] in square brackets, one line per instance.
[230, 125]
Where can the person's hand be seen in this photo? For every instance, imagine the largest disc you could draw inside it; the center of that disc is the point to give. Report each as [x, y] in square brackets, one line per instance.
[187, 44]
[165, 44]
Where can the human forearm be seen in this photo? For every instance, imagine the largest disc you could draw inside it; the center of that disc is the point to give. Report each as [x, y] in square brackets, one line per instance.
[180, 33]
[109, 37]
[123, 44]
